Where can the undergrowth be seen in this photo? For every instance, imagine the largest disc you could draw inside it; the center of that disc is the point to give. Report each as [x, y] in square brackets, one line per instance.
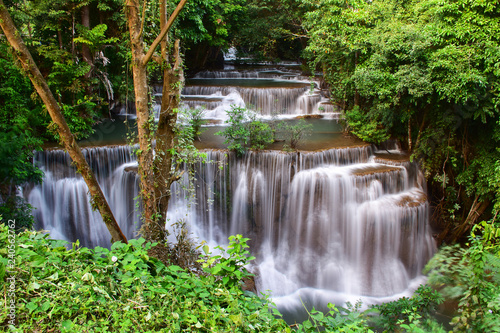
[120, 290]
[123, 289]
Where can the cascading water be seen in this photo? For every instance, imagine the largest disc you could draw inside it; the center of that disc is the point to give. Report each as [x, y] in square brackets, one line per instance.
[265, 100]
[336, 220]
[333, 220]
[268, 92]
[326, 226]
[62, 204]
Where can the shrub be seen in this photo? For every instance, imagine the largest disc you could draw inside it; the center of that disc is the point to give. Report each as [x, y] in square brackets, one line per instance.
[471, 276]
[365, 128]
[336, 320]
[407, 312]
[193, 117]
[119, 290]
[245, 131]
[295, 133]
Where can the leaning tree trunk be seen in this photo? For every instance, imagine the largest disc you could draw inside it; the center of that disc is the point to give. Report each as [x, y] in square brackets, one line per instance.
[28, 64]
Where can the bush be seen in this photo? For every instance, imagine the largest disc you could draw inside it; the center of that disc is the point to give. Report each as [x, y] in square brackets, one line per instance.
[295, 133]
[193, 117]
[471, 276]
[119, 290]
[408, 312]
[336, 320]
[19, 210]
[245, 131]
[365, 128]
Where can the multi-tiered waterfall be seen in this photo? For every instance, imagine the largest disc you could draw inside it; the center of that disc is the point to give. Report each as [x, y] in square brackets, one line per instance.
[329, 225]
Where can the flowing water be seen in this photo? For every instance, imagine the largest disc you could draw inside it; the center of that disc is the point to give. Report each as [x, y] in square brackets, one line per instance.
[332, 225]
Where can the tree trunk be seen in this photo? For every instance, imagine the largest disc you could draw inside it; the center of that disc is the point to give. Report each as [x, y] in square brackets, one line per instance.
[356, 93]
[150, 226]
[155, 174]
[165, 136]
[475, 212]
[410, 142]
[86, 54]
[97, 197]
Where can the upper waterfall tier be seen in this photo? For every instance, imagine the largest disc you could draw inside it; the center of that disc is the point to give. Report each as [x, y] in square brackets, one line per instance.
[266, 91]
[265, 96]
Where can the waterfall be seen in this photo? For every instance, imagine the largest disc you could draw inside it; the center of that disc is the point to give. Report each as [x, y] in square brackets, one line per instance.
[336, 220]
[266, 101]
[61, 202]
[268, 92]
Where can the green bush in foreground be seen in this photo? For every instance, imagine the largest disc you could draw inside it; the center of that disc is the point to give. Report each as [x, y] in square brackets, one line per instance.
[125, 290]
[119, 290]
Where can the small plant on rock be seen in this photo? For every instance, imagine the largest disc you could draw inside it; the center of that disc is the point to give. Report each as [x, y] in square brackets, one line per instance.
[245, 131]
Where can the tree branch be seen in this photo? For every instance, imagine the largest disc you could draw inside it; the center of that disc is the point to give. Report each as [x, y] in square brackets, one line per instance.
[163, 32]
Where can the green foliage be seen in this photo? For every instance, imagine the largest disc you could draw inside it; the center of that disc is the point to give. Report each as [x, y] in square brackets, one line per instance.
[471, 276]
[245, 131]
[81, 84]
[295, 133]
[118, 290]
[271, 30]
[425, 72]
[229, 266]
[193, 117]
[336, 320]
[20, 122]
[185, 151]
[260, 133]
[16, 209]
[407, 311]
[236, 133]
[365, 128]
[95, 38]
[16, 165]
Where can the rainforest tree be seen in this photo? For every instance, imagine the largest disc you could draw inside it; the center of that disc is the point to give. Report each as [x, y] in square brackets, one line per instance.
[53, 108]
[425, 72]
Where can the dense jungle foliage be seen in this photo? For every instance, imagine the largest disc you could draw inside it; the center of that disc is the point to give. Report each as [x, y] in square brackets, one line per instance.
[425, 72]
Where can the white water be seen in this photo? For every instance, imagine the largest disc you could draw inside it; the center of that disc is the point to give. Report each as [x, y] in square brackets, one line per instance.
[329, 226]
[271, 92]
[62, 204]
[332, 223]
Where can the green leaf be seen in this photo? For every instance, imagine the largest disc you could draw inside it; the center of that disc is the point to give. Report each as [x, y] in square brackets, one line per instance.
[33, 286]
[67, 324]
[31, 306]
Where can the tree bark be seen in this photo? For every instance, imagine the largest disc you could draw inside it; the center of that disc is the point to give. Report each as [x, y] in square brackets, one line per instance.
[31, 70]
[410, 142]
[150, 226]
[155, 173]
[86, 54]
[475, 212]
[165, 135]
[164, 31]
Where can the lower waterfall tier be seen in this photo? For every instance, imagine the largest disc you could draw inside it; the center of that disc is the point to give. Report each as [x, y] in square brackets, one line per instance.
[338, 220]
